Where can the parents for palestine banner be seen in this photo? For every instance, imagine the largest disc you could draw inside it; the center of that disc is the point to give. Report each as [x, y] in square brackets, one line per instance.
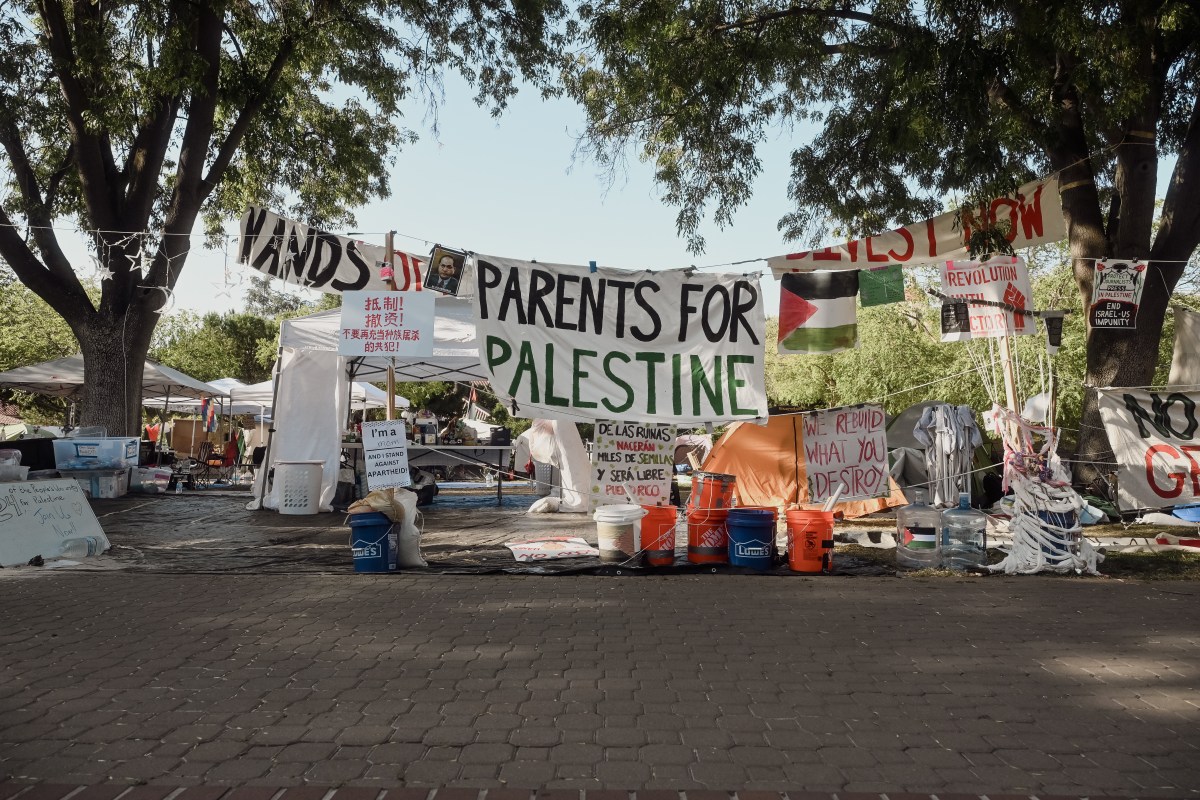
[563, 342]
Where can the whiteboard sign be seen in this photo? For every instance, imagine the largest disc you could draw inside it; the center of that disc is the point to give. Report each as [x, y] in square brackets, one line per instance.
[385, 448]
[37, 516]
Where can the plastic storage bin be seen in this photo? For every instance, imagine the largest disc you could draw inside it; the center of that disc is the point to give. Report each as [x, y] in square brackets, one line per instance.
[97, 453]
[299, 486]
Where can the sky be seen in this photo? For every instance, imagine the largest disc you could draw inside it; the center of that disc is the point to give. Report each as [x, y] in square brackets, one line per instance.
[510, 186]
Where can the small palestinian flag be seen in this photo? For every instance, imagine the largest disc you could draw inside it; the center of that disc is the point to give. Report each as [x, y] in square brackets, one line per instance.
[817, 312]
[917, 538]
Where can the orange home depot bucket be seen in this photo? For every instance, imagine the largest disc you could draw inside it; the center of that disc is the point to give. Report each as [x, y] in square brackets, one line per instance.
[658, 535]
[708, 537]
[810, 541]
[711, 491]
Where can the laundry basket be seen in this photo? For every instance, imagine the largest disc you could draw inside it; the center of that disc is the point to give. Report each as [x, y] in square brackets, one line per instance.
[300, 486]
[547, 479]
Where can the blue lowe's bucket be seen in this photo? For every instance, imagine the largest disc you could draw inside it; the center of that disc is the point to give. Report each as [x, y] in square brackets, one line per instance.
[751, 537]
[371, 544]
[1059, 544]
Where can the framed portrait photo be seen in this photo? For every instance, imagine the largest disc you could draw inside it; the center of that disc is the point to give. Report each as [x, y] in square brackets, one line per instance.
[445, 270]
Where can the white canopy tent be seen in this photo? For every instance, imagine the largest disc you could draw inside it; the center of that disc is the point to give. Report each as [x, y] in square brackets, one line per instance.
[63, 377]
[311, 398]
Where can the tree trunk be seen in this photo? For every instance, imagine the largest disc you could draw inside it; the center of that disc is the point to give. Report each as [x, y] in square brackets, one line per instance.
[114, 358]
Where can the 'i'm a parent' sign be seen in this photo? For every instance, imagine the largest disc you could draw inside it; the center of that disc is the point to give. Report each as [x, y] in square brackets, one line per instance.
[567, 343]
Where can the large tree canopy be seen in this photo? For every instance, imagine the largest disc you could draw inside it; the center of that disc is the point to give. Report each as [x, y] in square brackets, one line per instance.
[130, 120]
[916, 101]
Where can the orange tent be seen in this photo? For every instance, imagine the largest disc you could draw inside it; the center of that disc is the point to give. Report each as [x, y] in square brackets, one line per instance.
[768, 462]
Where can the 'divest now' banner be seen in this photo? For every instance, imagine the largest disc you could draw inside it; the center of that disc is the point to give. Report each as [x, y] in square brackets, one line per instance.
[1155, 437]
[1030, 216]
[567, 343]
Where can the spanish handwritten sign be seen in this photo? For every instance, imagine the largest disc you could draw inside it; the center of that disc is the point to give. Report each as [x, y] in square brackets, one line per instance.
[36, 517]
[1117, 294]
[668, 346]
[846, 446]
[639, 456]
[385, 453]
[386, 324]
[1003, 280]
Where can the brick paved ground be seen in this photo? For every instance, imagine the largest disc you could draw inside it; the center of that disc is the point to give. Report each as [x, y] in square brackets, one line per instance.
[986, 686]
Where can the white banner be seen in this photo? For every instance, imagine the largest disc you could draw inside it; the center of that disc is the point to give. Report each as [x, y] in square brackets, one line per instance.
[846, 446]
[386, 323]
[1005, 280]
[567, 343]
[1031, 216]
[640, 457]
[385, 452]
[1158, 452]
[301, 255]
[1116, 294]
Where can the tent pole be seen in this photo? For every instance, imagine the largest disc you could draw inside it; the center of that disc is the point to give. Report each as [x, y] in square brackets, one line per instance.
[266, 462]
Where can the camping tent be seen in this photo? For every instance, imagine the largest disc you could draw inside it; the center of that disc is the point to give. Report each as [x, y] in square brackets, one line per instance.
[63, 377]
[768, 461]
[256, 398]
[311, 400]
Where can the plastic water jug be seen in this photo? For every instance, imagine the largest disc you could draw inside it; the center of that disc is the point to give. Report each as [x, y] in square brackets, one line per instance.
[964, 535]
[918, 533]
[81, 547]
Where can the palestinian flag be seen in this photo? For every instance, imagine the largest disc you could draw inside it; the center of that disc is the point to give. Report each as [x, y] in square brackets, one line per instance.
[817, 312]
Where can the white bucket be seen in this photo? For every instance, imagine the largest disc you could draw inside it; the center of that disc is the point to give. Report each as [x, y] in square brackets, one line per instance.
[616, 531]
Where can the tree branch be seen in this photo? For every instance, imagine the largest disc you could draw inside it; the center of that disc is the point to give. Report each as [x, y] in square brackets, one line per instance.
[36, 210]
[93, 155]
[62, 293]
[149, 150]
[1179, 225]
[843, 14]
[254, 105]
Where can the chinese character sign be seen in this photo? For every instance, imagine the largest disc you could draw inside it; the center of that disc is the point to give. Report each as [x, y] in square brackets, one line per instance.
[386, 324]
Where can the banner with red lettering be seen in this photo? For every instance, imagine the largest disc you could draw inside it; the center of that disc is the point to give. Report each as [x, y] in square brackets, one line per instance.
[846, 446]
[1154, 435]
[1030, 216]
[1003, 281]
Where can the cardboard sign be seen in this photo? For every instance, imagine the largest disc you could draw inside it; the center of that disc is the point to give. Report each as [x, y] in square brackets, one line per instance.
[1116, 294]
[1155, 438]
[641, 457]
[1030, 216]
[36, 517]
[552, 547]
[1003, 280]
[566, 343]
[386, 324]
[305, 256]
[385, 452]
[846, 446]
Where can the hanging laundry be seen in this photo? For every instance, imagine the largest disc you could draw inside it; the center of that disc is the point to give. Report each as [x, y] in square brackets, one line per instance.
[881, 286]
[817, 312]
[950, 436]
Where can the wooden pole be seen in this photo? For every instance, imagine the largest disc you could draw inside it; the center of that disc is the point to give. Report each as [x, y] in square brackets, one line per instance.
[1010, 382]
[391, 370]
